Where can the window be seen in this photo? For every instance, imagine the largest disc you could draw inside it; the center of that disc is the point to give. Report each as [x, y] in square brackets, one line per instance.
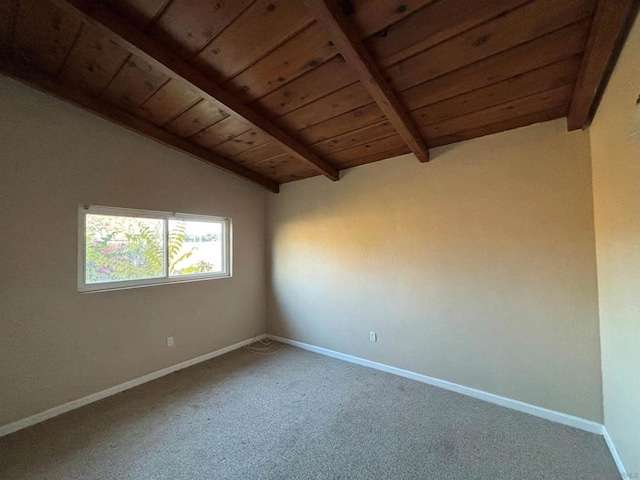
[124, 248]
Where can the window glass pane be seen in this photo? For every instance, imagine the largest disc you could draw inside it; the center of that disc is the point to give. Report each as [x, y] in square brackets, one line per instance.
[123, 248]
[195, 247]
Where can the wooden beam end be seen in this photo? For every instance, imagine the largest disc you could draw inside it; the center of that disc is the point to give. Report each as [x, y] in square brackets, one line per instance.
[576, 120]
[423, 156]
[333, 174]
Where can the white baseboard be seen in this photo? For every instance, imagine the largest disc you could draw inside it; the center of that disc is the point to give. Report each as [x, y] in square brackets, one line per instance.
[55, 411]
[558, 417]
[614, 453]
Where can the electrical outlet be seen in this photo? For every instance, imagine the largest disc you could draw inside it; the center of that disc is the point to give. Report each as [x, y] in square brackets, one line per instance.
[373, 337]
[169, 341]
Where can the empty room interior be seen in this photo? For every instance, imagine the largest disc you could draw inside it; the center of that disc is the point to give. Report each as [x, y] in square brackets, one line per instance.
[320, 239]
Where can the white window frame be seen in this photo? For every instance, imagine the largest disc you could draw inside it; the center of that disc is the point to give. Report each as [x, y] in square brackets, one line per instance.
[84, 287]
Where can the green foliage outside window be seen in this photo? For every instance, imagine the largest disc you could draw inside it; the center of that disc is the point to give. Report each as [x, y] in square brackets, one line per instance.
[127, 248]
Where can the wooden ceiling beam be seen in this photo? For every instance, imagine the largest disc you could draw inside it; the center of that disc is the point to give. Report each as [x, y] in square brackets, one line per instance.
[36, 79]
[611, 23]
[343, 33]
[148, 49]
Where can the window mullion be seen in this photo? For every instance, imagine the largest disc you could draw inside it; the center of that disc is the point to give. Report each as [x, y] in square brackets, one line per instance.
[166, 247]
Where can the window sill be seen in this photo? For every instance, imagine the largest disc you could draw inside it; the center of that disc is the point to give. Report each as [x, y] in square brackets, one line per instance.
[110, 287]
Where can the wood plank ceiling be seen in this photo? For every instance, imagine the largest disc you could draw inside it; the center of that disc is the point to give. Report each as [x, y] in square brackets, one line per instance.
[279, 90]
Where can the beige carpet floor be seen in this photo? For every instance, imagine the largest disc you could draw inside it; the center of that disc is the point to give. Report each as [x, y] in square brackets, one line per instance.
[298, 415]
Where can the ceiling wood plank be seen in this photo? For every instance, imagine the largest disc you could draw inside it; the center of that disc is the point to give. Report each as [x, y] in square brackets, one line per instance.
[324, 108]
[262, 27]
[434, 24]
[145, 47]
[323, 80]
[189, 25]
[294, 177]
[515, 61]
[200, 116]
[372, 16]
[366, 123]
[44, 34]
[298, 55]
[526, 84]
[279, 166]
[548, 100]
[108, 111]
[222, 131]
[350, 107]
[258, 154]
[610, 24]
[140, 12]
[168, 102]
[348, 41]
[354, 138]
[510, 124]
[348, 121]
[134, 83]
[400, 149]
[94, 61]
[516, 27]
[242, 143]
[369, 150]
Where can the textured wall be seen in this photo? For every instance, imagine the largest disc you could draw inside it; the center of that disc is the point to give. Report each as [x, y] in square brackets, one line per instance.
[616, 189]
[58, 345]
[477, 268]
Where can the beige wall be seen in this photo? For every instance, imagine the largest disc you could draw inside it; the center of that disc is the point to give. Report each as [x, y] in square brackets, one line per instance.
[477, 268]
[57, 345]
[616, 189]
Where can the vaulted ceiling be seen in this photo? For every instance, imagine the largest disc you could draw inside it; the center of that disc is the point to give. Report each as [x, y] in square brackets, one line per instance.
[279, 90]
